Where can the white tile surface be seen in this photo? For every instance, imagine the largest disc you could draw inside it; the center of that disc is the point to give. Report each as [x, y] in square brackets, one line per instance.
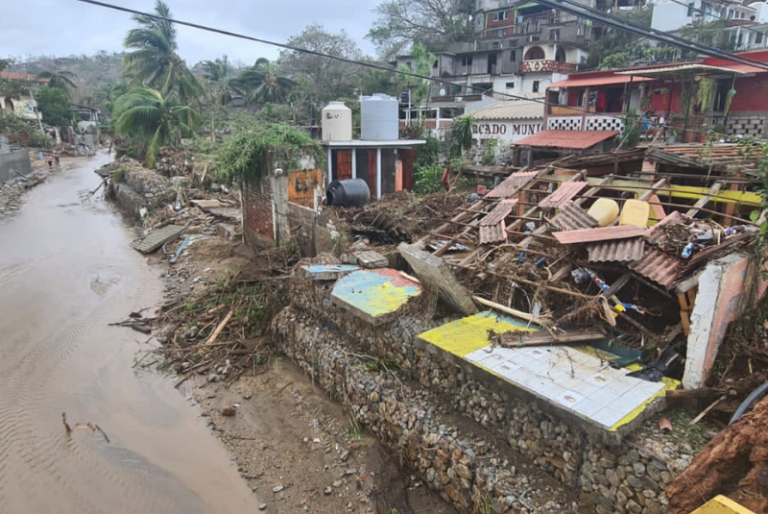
[573, 380]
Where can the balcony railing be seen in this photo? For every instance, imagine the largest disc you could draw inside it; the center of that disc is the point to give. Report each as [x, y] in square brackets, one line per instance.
[544, 65]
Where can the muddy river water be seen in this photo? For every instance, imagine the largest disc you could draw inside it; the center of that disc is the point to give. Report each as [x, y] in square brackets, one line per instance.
[66, 272]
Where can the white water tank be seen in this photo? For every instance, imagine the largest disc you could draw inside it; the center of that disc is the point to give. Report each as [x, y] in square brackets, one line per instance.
[379, 118]
[337, 122]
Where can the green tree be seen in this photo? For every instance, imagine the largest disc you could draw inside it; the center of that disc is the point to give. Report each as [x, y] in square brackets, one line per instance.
[53, 104]
[712, 34]
[261, 83]
[433, 23]
[618, 47]
[64, 80]
[329, 79]
[422, 60]
[154, 61]
[154, 120]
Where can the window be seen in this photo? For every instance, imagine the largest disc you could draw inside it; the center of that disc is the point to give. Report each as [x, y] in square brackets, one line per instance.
[409, 65]
[509, 85]
[691, 9]
[759, 38]
[535, 53]
[730, 13]
[501, 15]
[535, 87]
[554, 34]
[513, 55]
[466, 60]
[580, 98]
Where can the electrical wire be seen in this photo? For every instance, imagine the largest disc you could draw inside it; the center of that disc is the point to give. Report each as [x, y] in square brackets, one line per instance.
[721, 18]
[370, 65]
[598, 16]
[699, 46]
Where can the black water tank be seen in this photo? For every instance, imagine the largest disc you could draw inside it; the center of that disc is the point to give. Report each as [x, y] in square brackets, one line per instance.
[352, 192]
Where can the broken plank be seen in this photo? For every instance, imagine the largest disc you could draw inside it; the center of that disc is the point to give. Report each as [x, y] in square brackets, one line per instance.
[513, 339]
[704, 200]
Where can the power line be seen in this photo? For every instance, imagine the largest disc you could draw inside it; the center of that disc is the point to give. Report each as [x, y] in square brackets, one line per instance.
[721, 18]
[699, 46]
[343, 59]
[577, 9]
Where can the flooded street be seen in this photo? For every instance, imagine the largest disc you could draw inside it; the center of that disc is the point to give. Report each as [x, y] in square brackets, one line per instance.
[66, 272]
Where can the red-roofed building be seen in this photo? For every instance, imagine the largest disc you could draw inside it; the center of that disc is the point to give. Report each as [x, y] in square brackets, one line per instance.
[599, 100]
[23, 106]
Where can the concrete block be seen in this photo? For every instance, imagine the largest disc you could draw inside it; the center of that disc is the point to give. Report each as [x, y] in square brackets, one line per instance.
[327, 271]
[371, 260]
[435, 274]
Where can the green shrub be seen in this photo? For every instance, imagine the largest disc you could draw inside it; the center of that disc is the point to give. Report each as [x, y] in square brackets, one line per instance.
[427, 179]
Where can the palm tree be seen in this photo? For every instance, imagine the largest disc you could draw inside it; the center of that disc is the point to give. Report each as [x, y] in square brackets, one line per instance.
[154, 120]
[218, 70]
[260, 83]
[60, 79]
[154, 62]
[217, 74]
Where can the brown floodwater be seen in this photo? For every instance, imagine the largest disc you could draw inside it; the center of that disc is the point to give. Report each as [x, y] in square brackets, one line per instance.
[66, 272]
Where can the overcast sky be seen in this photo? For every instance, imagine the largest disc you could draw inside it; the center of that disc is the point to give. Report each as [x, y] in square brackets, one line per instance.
[66, 27]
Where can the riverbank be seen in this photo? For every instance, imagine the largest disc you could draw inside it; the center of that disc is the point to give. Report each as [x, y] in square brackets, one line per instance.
[68, 272]
[12, 192]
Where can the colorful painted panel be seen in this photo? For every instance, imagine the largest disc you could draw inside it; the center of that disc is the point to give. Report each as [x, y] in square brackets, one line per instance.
[374, 295]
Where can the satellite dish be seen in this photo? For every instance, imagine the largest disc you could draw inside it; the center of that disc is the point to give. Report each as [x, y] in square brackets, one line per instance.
[442, 92]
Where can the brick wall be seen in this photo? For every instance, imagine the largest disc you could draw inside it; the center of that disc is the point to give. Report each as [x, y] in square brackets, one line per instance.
[258, 219]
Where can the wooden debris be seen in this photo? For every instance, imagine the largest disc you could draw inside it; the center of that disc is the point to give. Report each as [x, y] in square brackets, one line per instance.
[543, 338]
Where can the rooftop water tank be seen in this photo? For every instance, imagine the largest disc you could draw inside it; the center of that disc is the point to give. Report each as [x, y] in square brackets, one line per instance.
[337, 122]
[351, 192]
[379, 118]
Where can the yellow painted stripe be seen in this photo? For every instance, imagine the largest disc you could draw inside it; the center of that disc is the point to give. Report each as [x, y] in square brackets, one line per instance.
[677, 191]
[722, 505]
[464, 336]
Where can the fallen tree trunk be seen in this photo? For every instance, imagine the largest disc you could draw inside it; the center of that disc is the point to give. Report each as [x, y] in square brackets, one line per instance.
[734, 463]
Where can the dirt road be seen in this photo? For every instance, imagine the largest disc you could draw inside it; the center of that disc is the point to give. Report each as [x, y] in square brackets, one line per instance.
[66, 272]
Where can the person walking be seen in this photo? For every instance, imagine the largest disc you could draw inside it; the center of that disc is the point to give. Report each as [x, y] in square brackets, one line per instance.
[49, 160]
[56, 158]
[87, 151]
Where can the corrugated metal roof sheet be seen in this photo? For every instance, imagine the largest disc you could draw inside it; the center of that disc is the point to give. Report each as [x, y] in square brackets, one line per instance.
[512, 184]
[493, 233]
[591, 235]
[576, 139]
[498, 213]
[575, 81]
[617, 251]
[565, 192]
[657, 266]
[511, 110]
[573, 217]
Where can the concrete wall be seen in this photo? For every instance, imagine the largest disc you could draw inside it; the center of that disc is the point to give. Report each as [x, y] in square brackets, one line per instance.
[14, 163]
[727, 287]
[609, 472]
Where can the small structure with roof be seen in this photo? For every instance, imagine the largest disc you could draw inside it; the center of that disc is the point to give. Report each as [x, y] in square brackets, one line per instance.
[507, 122]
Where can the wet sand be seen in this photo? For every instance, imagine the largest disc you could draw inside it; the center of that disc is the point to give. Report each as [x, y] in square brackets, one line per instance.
[66, 272]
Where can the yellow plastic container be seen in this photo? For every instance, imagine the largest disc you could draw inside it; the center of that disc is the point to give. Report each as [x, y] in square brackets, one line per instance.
[604, 210]
[635, 213]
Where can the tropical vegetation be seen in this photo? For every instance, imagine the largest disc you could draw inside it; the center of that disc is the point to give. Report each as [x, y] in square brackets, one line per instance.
[261, 83]
[62, 79]
[154, 120]
[154, 61]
